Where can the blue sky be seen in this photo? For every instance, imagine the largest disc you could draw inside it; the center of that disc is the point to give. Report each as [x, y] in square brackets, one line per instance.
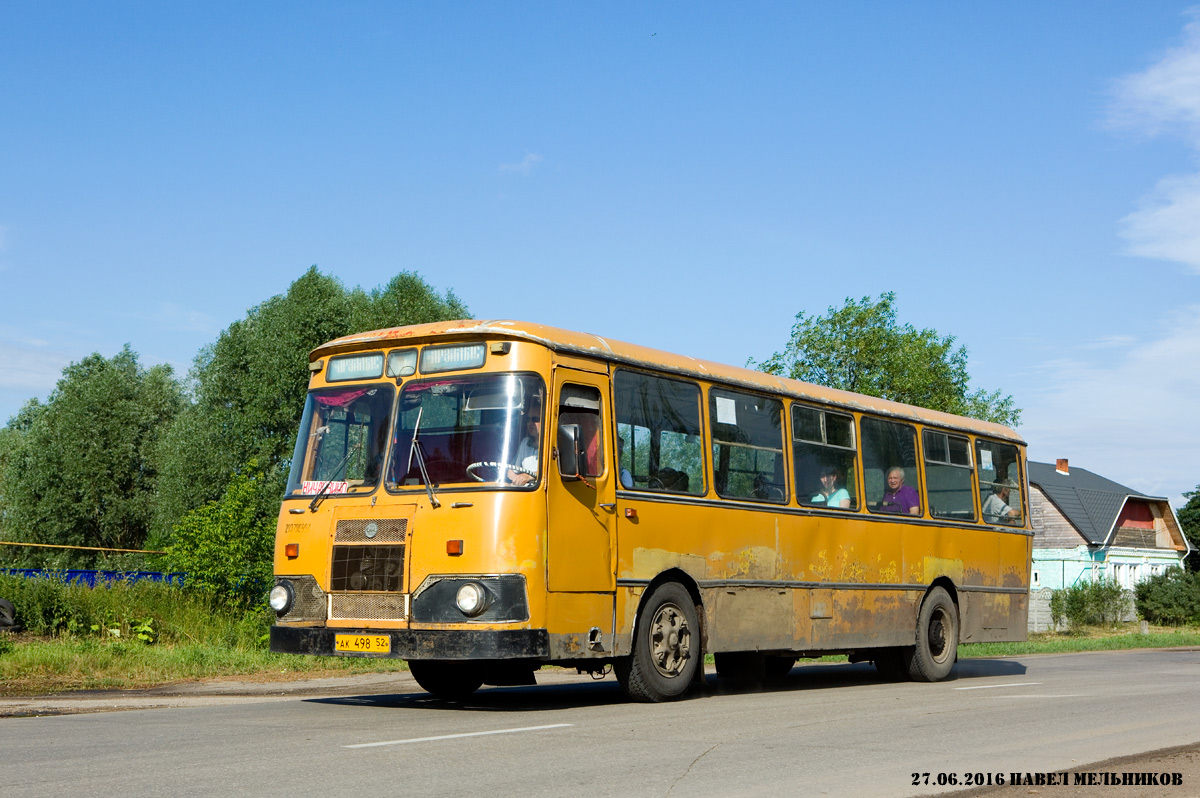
[1024, 176]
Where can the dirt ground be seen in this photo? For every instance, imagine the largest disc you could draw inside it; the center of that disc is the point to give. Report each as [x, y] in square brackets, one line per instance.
[1184, 760]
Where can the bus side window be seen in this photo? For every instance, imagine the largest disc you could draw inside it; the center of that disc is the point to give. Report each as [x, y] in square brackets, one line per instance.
[658, 422]
[580, 405]
[747, 446]
[1001, 489]
[824, 453]
[890, 464]
[948, 486]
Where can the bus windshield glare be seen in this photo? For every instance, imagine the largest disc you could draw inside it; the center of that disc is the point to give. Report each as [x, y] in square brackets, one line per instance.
[483, 428]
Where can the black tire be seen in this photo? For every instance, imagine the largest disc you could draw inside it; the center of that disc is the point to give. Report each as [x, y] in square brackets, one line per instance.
[447, 680]
[937, 638]
[893, 663]
[666, 647]
[8, 614]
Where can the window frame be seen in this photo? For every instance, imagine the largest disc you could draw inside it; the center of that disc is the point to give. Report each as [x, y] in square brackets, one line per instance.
[928, 459]
[854, 449]
[715, 392]
[917, 466]
[622, 373]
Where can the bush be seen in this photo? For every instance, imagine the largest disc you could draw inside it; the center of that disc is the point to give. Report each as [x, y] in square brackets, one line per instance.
[1171, 598]
[1089, 604]
[142, 613]
[225, 547]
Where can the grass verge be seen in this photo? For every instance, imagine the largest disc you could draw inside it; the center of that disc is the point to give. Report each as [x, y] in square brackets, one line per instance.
[55, 665]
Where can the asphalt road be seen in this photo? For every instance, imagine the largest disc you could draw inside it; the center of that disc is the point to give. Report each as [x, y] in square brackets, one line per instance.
[825, 730]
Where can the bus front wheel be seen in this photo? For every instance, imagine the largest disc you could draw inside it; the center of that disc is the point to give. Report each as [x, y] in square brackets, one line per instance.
[937, 638]
[666, 647]
[447, 680]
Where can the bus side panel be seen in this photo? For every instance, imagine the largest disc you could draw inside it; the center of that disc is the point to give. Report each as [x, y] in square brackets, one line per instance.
[570, 619]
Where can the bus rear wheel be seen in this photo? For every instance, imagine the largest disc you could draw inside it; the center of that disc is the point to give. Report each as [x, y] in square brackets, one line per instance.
[937, 638]
[666, 647]
[447, 680]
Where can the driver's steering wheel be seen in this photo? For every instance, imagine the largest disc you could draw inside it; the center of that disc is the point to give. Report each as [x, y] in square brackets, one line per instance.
[501, 470]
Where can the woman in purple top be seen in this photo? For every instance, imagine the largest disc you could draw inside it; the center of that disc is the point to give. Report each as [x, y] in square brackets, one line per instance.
[899, 498]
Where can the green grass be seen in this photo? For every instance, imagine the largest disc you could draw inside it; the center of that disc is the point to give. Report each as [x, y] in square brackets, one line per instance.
[1126, 636]
[40, 666]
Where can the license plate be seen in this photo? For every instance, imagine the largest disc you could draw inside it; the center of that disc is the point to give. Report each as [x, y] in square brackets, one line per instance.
[363, 644]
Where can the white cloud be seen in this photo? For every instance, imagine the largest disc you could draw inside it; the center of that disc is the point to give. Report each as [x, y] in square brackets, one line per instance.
[524, 166]
[1132, 418]
[29, 366]
[1167, 226]
[1164, 99]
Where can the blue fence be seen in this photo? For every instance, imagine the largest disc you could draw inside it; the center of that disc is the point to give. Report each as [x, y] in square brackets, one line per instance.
[79, 576]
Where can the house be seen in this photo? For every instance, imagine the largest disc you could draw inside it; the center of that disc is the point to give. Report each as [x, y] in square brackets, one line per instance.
[1087, 527]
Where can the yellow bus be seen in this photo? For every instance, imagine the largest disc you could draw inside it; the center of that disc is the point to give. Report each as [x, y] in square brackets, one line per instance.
[482, 498]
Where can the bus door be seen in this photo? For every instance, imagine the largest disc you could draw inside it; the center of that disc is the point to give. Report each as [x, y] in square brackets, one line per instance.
[581, 518]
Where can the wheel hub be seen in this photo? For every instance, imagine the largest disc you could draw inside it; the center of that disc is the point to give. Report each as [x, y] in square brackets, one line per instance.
[670, 640]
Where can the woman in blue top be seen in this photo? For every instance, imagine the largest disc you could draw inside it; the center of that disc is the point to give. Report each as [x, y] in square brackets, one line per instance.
[832, 494]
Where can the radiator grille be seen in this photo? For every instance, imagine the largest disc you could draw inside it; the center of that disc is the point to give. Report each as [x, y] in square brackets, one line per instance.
[309, 600]
[374, 568]
[369, 606]
[387, 530]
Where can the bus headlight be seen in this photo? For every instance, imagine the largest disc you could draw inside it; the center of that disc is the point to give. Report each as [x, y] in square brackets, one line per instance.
[472, 599]
[282, 597]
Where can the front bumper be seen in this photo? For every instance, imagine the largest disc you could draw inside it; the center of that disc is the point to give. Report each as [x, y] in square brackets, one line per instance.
[461, 644]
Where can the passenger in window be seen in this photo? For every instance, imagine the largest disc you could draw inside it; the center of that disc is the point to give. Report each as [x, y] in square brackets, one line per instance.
[996, 509]
[899, 498]
[832, 493]
[527, 449]
[625, 476]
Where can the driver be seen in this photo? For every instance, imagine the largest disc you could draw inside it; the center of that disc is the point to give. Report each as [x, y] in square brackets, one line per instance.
[527, 449]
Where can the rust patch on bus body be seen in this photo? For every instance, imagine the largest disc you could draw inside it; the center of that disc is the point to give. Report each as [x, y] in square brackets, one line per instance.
[865, 618]
[753, 562]
[752, 618]
[649, 563]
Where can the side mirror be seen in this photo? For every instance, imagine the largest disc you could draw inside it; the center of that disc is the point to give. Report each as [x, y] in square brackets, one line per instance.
[568, 451]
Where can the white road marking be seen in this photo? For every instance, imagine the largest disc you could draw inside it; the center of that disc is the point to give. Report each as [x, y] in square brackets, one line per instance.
[456, 736]
[993, 686]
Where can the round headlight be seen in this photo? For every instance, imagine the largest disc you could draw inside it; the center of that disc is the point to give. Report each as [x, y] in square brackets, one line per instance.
[281, 598]
[472, 598]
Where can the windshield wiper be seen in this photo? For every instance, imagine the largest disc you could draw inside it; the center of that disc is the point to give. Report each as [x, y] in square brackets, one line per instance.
[415, 450]
[316, 502]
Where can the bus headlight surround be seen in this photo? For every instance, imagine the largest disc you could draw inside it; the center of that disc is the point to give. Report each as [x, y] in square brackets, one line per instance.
[282, 597]
[472, 599]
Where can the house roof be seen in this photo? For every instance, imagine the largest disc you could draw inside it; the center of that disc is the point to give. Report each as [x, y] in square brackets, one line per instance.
[1089, 501]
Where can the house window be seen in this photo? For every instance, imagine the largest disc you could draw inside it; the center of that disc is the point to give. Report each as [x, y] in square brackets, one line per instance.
[1036, 581]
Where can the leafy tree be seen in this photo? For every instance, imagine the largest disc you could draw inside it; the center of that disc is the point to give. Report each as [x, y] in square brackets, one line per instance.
[860, 347]
[225, 546]
[249, 385]
[82, 469]
[1189, 519]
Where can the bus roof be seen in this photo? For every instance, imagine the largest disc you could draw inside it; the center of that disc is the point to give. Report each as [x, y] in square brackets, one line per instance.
[588, 345]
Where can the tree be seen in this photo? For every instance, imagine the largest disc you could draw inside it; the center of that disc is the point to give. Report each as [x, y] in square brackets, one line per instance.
[1189, 519]
[860, 347]
[224, 547]
[82, 469]
[249, 385]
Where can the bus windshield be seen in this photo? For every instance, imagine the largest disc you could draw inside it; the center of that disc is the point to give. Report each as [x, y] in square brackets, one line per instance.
[483, 428]
[342, 441]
